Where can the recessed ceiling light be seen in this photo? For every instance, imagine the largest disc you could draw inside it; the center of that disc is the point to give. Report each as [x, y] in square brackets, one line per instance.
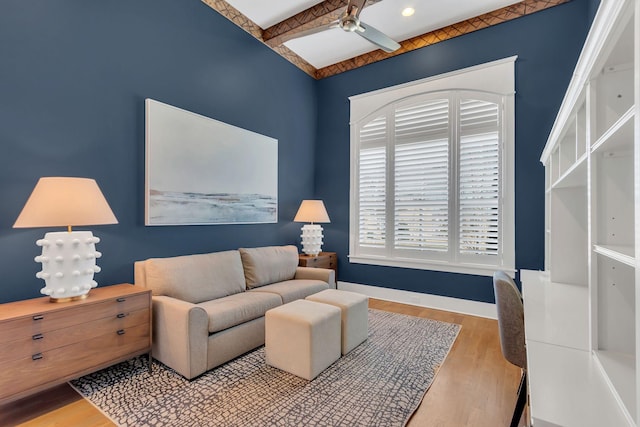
[408, 11]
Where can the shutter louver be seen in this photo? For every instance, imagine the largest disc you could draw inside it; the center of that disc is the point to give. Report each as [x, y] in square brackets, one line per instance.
[432, 173]
[421, 176]
[372, 184]
[479, 188]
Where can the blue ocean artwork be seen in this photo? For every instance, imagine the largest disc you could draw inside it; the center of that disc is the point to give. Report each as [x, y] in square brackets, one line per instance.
[202, 171]
[175, 208]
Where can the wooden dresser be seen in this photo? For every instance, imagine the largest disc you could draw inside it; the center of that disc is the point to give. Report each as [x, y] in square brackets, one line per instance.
[43, 344]
[322, 260]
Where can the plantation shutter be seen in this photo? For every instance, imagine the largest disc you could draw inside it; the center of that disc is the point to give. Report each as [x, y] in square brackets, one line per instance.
[479, 188]
[432, 172]
[421, 168]
[372, 184]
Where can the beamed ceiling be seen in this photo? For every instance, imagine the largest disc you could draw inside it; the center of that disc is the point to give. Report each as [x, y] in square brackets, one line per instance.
[329, 11]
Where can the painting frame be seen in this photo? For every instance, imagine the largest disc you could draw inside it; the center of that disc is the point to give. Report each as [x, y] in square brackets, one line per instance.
[201, 171]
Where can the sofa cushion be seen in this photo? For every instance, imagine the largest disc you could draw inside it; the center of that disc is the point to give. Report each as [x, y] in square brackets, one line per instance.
[196, 278]
[291, 290]
[271, 264]
[239, 308]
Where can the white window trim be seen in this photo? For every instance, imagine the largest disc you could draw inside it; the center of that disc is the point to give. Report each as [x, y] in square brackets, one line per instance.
[497, 77]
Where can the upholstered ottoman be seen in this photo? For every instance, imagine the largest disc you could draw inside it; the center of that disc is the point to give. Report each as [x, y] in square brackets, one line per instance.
[354, 309]
[302, 337]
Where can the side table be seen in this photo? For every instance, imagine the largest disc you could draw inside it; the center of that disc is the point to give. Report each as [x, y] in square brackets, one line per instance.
[322, 260]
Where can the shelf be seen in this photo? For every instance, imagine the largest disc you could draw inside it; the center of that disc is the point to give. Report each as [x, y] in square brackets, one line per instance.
[554, 167]
[620, 371]
[582, 315]
[615, 311]
[567, 148]
[623, 254]
[581, 130]
[569, 249]
[612, 200]
[614, 88]
[619, 136]
[575, 176]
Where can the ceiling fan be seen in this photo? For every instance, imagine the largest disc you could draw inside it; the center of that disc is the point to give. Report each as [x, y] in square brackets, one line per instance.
[349, 21]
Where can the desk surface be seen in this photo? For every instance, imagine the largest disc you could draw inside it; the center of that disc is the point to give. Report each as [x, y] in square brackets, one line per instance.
[566, 383]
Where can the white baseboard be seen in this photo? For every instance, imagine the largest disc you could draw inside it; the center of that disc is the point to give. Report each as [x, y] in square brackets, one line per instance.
[474, 308]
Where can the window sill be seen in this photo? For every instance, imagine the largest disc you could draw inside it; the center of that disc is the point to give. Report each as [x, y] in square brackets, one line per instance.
[476, 269]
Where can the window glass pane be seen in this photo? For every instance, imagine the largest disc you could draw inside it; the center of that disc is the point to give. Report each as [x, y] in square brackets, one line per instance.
[372, 184]
[421, 205]
[478, 177]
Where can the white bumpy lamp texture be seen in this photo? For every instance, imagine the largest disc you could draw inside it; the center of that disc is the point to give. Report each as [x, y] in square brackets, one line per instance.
[311, 239]
[68, 263]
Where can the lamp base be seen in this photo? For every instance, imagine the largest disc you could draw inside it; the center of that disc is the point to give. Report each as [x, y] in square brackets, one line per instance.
[69, 299]
[68, 264]
[311, 239]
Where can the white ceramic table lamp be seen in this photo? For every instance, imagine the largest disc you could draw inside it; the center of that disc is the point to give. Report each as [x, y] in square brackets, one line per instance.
[312, 211]
[68, 257]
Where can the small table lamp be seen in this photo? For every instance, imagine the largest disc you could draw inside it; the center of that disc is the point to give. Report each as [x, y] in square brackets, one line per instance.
[68, 257]
[312, 211]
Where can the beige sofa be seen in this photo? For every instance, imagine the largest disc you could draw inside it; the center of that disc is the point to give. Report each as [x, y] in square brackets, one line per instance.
[209, 308]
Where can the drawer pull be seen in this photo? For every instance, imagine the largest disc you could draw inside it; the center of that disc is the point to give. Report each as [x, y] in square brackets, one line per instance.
[36, 356]
[37, 337]
[121, 299]
[120, 331]
[38, 317]
[121, 315]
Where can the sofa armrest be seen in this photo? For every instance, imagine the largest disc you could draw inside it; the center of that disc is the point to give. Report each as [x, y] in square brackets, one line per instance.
[324, 274]
[180, 335]
[139, 273]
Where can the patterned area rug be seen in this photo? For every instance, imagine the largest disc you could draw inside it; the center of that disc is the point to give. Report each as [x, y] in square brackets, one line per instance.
[379, 383]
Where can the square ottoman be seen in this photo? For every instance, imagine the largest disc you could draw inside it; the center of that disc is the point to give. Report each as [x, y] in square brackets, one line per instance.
[354, 309]
[302, 337]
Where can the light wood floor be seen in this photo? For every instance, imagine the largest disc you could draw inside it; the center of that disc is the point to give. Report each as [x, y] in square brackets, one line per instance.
[474, 387]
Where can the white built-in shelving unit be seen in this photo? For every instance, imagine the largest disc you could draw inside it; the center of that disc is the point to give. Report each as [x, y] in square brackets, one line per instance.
[582, 314]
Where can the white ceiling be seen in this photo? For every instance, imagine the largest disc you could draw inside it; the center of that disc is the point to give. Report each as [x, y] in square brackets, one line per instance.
[335, 45]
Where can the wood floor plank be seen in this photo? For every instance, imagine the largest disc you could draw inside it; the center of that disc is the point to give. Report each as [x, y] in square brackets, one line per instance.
[475, 386]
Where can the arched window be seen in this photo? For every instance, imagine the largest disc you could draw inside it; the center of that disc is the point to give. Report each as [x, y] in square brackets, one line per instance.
[432, 173]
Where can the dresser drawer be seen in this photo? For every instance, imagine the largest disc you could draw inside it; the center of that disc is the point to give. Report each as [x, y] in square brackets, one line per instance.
[27, 345]
[72, 360]
[39, 323]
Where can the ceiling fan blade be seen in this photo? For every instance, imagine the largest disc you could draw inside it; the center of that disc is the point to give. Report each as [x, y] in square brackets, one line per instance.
[310, 31]
[376, 37]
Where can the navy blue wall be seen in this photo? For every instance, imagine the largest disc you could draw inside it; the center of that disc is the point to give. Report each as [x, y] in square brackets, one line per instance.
[74, 75]
[73, 78]
[548, 44]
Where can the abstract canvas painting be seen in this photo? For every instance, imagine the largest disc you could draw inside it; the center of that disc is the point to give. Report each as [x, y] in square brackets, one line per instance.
[202, 171]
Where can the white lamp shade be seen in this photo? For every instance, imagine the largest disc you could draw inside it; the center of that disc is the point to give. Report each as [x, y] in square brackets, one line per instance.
[61, 201]
[312, 211]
